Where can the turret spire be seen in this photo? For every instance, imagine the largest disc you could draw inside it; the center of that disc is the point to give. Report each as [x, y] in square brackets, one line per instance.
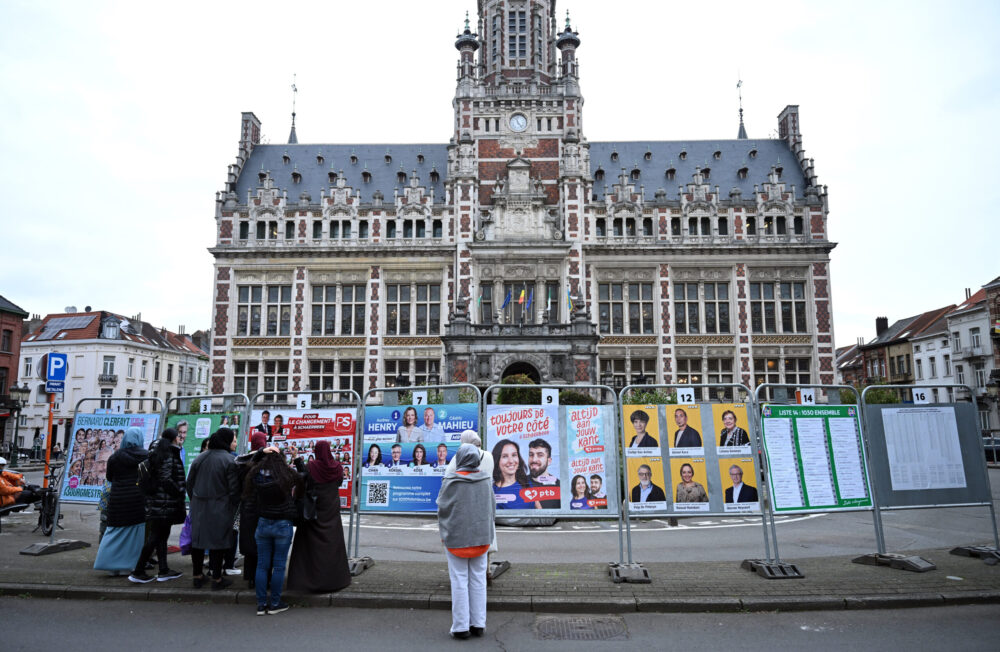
[292, 138]
[742, 134]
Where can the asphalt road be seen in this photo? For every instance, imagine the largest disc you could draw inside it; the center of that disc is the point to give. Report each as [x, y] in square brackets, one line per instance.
[36, 624]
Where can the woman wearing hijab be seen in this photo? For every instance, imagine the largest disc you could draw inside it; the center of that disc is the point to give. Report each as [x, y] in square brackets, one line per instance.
[248, 509]
[214, 489]
[319, 555]
[466, 509]
[271, 486]
[126, 512]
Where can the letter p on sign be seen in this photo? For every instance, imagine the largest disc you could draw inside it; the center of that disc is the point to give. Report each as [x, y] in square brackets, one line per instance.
[56, 367]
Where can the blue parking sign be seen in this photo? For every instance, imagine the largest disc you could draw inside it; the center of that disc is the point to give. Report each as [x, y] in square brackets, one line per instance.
[56, 367]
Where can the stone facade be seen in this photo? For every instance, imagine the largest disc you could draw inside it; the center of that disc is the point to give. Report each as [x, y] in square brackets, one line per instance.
[352, 266]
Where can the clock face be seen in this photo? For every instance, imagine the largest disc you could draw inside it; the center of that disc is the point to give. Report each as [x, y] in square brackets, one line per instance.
[518, 122]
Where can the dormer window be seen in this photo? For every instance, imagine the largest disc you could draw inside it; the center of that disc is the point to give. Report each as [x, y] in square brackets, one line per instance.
[753, 153]
[401, 177]
[706, 173]
[388, 159]
[743, 172]
[634, 175]
[717, 155]
[285, 159]
[366, 176]
[332, 175]
[683, 155]
[262, 176]
[778, 170]
[420, 158]
[296, 177]
[671, 173]
[435, 177]
[599, 175]
[354, 159]
[319, 159]
[111, 330]
[648, 156]
[614, 156]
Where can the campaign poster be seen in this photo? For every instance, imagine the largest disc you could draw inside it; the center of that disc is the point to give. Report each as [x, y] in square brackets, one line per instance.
[95, 438]
[690, 492]
[586, 450]
[641, 428]
[646, 484]
[683, 431]
[739, 477]
[524, 441]
[406, 450]
[289, 428]
[196, 429]
[730, 423]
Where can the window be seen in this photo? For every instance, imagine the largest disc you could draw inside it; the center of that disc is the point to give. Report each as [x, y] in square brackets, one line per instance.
[393, 369]
[689, 372]
[601, 227]
[275, 377]
[156, 370]
[933, 368]
[27, 367]
[289, 230]
[252, 306]
[131, 368]
[613, 298]
[170, 373]
[340, 228]
[485, 305]
[797, 226]
[959, 374]
[984, 419]
[3, 380]
[199, 374]
[109, 365]
[980, 369]
[720, 370]
[317, 229]
[751, 226]
[322, 374]
[245, 377]
[974, 338]
[956, 339]
[712, 312]
[142, 369]
[947, 365]
[797, 371]
[398, 310]
[363, 230]
[5, 340]
[615, 373]
[766, 370]
[352, 310]
[768, 300]
[723, 226]
[352, 375]
[190, 373]
[244, 230]
[428, 309]
[517, 310]
[553, 301]
[261, 230]
[517, 40]
[920, 369]
[105, 398]
[611, 307]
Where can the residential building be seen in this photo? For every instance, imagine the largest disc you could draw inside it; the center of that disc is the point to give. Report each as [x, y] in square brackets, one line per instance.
[889, 357]
[972, 356]
[11, 318]
[519, 245]
[851, 364]
[932, 363]
[109, 357]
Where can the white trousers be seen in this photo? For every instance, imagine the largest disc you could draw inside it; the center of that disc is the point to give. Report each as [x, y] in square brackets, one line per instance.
[468, 591]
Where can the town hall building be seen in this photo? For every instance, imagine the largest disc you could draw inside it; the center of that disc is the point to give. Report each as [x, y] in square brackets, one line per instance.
[520, 245]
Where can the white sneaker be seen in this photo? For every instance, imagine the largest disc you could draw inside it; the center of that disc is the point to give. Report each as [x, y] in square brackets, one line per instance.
[233, 571]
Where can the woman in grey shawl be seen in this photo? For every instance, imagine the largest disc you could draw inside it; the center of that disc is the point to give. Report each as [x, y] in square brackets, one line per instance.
[466, 508]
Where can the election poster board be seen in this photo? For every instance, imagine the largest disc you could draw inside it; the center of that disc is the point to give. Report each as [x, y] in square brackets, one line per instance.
[816, 458]
[196, 428]
[95, 438]
[689, 459]
[555, 460]
[405, 451]
[288, 429]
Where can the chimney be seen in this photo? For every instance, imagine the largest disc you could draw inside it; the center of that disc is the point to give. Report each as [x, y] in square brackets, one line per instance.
[788, 125]
[968, 293]
[69, 310]
[180, 329]
[881, 325]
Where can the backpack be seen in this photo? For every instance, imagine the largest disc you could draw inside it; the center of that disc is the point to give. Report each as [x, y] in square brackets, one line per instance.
[147, 477]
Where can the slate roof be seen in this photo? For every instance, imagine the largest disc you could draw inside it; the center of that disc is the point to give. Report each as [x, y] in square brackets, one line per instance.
[87, 326]
[909, 326]
[733, 155]
[11, 307]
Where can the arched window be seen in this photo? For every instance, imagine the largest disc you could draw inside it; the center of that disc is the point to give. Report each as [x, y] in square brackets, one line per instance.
[366, 176]
[332, 176]
[671, 173]
[401, 177]
[599, 175]
[635, 174]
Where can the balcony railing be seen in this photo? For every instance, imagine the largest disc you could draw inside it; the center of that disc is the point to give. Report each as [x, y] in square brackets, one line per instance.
[108, 379]
[969, 352]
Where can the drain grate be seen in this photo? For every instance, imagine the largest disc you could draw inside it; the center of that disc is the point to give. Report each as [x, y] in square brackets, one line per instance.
[580, 628]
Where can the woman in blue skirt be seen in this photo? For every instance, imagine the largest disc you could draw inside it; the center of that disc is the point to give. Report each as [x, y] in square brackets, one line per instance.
[126, 512]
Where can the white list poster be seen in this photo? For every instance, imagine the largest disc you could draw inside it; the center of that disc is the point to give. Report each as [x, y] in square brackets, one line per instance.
[923, 448]
[847, 458]
[815, 462]
[781, 457]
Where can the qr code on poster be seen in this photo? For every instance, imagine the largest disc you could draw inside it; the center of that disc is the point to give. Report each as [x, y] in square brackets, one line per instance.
[378, 494]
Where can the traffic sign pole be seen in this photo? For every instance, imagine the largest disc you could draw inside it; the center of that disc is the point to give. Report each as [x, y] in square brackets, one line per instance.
[48, 443]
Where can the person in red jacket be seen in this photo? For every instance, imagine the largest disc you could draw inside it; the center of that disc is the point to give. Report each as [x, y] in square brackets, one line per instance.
[14, 490]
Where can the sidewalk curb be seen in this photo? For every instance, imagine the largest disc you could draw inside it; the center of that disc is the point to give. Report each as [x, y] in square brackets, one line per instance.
[535, 604]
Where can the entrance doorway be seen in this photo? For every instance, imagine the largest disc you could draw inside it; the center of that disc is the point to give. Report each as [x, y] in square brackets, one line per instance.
[525, 368]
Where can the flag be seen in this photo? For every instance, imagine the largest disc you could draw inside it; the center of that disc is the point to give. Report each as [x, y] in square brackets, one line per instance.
[569, 300]
[506, 300]
[479, 301]
[548, 306]
[520, 299]
[531, 297]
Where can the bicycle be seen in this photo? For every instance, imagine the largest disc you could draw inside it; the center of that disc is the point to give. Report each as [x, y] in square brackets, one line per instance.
[47, 505]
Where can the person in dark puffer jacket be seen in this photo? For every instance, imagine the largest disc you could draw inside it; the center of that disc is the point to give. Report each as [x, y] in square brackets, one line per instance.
[164, 507]
[126, 512]
[272, 486]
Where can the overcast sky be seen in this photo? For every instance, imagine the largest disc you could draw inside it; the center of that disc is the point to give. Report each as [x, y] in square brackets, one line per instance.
[117, 122]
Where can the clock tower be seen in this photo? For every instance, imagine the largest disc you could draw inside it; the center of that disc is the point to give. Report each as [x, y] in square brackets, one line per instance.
[519, 174]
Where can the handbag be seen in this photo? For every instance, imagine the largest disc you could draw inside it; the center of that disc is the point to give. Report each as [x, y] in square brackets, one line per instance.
[306, 508]
[185, 539]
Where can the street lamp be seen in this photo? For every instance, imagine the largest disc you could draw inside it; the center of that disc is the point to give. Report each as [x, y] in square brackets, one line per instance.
[19, 397]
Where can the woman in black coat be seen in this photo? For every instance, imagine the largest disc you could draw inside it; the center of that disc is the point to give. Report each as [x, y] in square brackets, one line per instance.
[213, 485]
[126, 513]
[164, 507]
[319, 554]
[248, 510]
